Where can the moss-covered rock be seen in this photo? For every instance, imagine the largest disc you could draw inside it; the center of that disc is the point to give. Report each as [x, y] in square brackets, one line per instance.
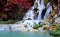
[37, 26]
[56, 32]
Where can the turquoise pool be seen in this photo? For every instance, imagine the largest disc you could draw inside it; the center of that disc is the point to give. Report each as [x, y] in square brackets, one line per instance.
[23, 34]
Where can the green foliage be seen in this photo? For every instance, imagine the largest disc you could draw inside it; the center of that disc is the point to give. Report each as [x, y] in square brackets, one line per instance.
[8, 22]
[58, 26]
[45, 2]
[55, 33]
[37, 26]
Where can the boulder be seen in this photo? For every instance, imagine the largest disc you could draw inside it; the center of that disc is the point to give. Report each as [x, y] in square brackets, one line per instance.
[57, 20]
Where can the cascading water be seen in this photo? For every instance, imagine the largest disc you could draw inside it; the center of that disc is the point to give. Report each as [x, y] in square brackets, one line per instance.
[30, 14]
[33, 18]
[49, 9]
[40, 7]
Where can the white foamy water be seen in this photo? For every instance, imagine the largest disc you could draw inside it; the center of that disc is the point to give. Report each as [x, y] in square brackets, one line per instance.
[29, 14]
[49, 9]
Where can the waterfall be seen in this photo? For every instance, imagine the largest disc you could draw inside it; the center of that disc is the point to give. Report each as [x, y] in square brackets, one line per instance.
[49, 9]
[35, 19]
[40, 7]
[30, 13]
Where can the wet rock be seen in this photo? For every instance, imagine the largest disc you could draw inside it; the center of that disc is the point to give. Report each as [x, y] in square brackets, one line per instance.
[57, 20]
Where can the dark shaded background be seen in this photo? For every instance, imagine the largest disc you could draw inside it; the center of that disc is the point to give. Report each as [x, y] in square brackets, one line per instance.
[15, 9]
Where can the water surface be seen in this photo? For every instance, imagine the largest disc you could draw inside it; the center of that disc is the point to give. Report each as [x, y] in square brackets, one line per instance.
[23, 34]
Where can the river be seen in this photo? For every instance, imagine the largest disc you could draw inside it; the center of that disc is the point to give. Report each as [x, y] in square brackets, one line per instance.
[23, 34]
